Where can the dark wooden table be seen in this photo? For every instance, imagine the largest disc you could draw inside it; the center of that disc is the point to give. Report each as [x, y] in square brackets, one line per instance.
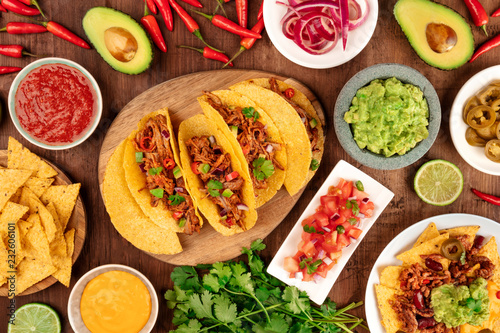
[104, 245]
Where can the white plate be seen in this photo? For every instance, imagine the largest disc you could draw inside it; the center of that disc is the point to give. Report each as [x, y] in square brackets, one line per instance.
[356, 40]
[318, 291]
[404, 241]
[472, 155]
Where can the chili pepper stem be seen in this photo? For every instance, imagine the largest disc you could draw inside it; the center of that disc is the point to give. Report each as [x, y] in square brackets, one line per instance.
[220, 4]
[240, 51]
[190, 47]
[34, 55]
[198, 34]
[209, 17]
[35, 3]
[484, 29]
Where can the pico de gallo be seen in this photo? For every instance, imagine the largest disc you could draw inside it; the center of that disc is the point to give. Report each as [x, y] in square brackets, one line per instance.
[333, 227]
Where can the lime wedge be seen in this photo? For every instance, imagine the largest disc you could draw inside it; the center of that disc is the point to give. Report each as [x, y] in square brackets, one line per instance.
[438, 182]
[35, 317]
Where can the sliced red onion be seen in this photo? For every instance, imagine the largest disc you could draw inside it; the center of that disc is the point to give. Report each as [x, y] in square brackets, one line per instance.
[353, 240]
[317, 278]
[179, 189]
[302, 257]
[211, 139]
[352, 198]
[303, 119]
[241, 206]
[314, 241]
[269, 149]
[361, 215]
[217, 151]
[265, 126]
[326, 229]
[299, 275]
[223, 213]
[365, 200]
[165, 134]
[217, 172]
[141, 166]
[327, 261]
[335, 217]
[321, 254]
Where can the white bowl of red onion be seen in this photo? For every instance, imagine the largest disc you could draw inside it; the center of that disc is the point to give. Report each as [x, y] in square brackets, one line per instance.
[312, 33]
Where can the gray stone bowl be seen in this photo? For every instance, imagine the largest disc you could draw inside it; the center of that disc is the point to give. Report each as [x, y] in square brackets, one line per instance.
[384, 71]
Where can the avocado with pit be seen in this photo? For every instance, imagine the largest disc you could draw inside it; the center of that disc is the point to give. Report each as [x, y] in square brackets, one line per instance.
[119, 39]
[438, 34]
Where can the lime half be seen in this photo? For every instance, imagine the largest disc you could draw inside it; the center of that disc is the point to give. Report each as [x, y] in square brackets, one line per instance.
[438, 182]
[35, 317]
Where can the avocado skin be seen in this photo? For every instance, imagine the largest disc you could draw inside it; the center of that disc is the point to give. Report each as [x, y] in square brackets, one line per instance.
[135, 66]
[445, 65]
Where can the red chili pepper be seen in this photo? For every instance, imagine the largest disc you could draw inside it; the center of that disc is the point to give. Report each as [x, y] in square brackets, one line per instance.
[169, 163]
[58, 30]
[177, 215]
[16, 51]
[260, 14]
[488, 45]
[498, 294]
[242, 12]
[7, 69]
[496, 13]
[146, 143]
[152, 6]
[166, 13]
[19, 8]
[478, 14]
[34, 3]
[247, 42]
[17, 28]
[149, 22]
[2, 9]
[289, 93]
[487, 197]
[194, 167]
[190, 23]
[209, 53]
[228, 25]
[426, 281]
[194, 3]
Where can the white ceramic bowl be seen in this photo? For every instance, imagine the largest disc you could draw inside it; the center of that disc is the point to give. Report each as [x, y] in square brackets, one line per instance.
[473, 155]
[356, 41]
[74, 316]
[12, 100]
[318, 291]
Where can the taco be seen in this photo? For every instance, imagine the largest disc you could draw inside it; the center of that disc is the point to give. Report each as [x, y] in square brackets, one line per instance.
[155, 177]
[221, 187]
[298, 123]
[254, 137]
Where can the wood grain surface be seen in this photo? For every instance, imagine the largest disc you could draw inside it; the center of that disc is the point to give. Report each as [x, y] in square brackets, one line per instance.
[104, 245]
[78, 220]
[179, 95]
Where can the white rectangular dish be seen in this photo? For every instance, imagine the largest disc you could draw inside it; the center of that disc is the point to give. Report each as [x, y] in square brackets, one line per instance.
[319, 290]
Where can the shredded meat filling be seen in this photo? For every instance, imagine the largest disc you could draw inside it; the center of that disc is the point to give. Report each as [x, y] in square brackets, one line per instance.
[252, 137]
[157, 134]
[201, 150]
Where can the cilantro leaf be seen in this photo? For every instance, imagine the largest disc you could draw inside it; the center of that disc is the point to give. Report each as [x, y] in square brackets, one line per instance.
[314, 165]
[278, 323]
[250, 113]
[211, 283]
[258, 245]
[175, 199]
[223, 272]
[155, 171]
[202, 307]
[242, 279]
[296, 304]
[262, 168]
[224, 309]
[300, 328]
[186, 278]
[474, 304]
[213, 187]
[355, 207]
[193, 326]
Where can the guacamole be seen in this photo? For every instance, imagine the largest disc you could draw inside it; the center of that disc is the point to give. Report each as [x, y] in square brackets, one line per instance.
[456, 306]
[388, 117]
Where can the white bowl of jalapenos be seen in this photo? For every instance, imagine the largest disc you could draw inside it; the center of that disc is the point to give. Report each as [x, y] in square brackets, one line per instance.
[475, 121]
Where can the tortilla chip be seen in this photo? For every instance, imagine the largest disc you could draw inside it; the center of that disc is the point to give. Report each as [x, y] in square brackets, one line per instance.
[64, 198]
[390, 276]
[52, 210]
[10, 182]
[5, 268]
[432, 246]
[64, 260]
[390, 318]
[199, 125]
[127, 216]
[233, 98]
[20, 157]
[24, 226]
[490, 251]
[36, 244]
[70, 242]
[429, 233]
[469, 231]
[31, 271]
[11, 213]
[36, 207]
[39, 185]
[16, 196]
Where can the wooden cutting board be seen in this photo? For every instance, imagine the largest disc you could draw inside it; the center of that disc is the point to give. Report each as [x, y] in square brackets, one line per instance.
[78, 220]
[179, 95]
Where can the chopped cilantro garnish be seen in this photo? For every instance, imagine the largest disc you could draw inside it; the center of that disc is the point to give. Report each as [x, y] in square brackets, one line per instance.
[139, 156]
[250, 113]
[355, 207]
[155, 171]
[359, 185]
[262, 168]
[474, 304]
[213, 187]
[157, 192]
[314, 165]
[311, 267]
[175, 199]
[312, 230]
[348, 204]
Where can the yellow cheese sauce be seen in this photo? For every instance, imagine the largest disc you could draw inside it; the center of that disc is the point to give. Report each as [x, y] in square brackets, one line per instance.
[115, 302]
[494, 322]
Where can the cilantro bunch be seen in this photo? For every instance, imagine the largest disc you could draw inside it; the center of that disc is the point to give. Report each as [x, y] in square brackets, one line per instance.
[240, 297]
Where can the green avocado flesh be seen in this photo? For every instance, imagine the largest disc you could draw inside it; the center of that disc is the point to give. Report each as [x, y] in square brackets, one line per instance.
[415, 16]
[119, 39]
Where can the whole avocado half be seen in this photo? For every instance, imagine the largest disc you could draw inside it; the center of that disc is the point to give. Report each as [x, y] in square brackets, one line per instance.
[98, 20]
[414, 15]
